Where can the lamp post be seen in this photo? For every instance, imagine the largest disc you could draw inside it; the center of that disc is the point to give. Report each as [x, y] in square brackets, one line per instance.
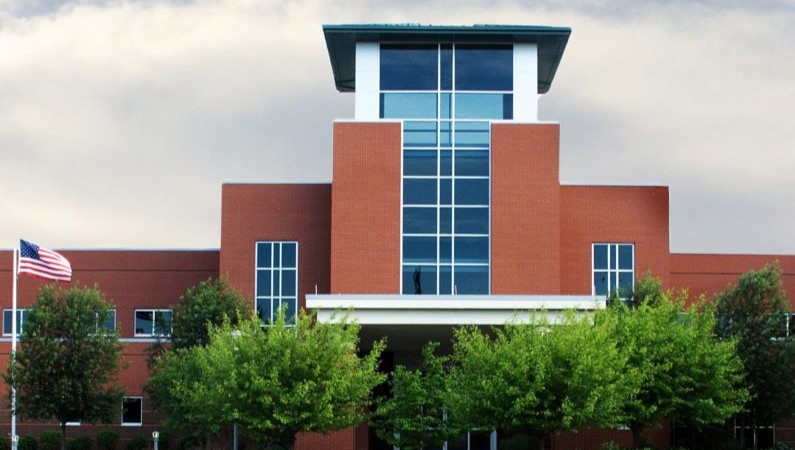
[155, 438]
[14, 441]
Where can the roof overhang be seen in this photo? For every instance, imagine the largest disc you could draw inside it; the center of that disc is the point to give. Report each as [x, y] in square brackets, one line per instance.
[341, 42]
[447, 310]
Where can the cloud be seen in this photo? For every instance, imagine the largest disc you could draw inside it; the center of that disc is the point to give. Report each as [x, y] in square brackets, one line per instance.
[120, 119]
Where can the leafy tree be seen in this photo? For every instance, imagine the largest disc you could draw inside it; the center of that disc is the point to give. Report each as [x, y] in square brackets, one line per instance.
[538, 378]
[67, 360]
[414, 417]
[273, 381]
[754, 312]
[211, 302]
[685, 374]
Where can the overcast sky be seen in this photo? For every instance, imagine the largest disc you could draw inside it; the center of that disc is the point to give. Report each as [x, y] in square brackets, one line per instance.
[120, 120]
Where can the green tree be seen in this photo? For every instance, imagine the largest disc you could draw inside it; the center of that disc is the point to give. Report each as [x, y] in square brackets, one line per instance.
[755, 313]
[538, 378]
[685, 374]
[414, 418]
[67, 360]
[273, 381]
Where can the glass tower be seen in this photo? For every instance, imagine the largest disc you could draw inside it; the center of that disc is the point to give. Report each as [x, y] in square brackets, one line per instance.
[446, 96]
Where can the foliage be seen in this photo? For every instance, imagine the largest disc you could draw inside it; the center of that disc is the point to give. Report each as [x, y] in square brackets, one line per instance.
[755, 313]
[50, 440]
[67, 360]
[28, 443]
[80, 443]
[538, 377]
[780, 446]
[107, 440]
[136, 443]
[685, 374]
[273, 381]
[211, 302]
[4, 444]
[414, 417]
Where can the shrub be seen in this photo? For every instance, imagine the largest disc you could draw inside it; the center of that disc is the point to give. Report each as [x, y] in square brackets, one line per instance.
[50, 440]
[28, 443]
[780, 446]
[610, 446]
[4, 445]
[107, 440]
[79, 443]
[136, 443]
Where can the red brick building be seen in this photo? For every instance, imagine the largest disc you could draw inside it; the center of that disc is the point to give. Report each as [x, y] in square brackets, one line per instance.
[445, 209]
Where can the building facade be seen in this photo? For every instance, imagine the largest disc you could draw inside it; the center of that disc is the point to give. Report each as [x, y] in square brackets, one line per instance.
[445, 209]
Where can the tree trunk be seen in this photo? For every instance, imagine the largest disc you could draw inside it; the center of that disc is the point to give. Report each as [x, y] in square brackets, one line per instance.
[63, 435]
[637, 434]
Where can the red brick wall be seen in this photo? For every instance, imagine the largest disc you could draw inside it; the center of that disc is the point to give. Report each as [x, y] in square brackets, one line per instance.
[525, 209]
[710, 274]
[365, 228]
[612, 214]
[276, 212]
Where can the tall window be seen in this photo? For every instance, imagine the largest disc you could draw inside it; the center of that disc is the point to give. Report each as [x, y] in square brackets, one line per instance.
[447, 95]
[276, 282]
[153, 322]
[613, 269]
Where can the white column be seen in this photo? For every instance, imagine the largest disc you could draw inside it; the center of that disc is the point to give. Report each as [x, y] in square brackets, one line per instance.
[367, 76]
[525, 83]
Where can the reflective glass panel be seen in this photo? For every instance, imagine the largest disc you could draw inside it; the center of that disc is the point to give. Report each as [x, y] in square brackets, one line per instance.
[472, 191]
[419, 280]
[625, 283]
[625, 257]
[445, 280]
[600, 283]
[419, 134]
[445, 220]
[472, 163]
[408, 67]
[144, 322]
[445, 191]
[264, 309]
[446, 69]
[446, 163]
[263, 282]
[600, 256]
[419, 162]
[419, 249]
[289, 305]
[483, 106]
[163, 322]
[408, 106]
[472, 220]
[288, 254]
[419, 191]
[472, 280]
[419, 220]
[471, 249]
[110, 321]
[132, 412]
[483, 68]
[288, 283]
[446, 134]
[263, 254]
[612, 249]
[277, 254]
[445, 249]
[472, 134]
[445, 106]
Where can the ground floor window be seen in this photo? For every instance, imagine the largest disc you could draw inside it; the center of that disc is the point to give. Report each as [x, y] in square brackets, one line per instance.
[132, 411]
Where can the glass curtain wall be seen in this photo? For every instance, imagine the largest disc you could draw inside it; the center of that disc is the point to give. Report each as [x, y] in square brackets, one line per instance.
[446, 95]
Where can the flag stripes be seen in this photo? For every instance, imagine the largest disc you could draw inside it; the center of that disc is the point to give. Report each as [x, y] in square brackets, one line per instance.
[43, 263]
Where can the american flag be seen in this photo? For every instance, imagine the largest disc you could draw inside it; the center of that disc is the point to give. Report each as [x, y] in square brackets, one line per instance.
[43, 263]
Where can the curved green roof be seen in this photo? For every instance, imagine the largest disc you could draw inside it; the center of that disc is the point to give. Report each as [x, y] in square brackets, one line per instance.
[341, 42]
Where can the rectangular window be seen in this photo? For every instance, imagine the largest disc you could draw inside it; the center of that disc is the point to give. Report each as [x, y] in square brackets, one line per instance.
[613, 269]
[7, 313]
[110, 322]
[153, 322]
[276, 279]
[132, 414]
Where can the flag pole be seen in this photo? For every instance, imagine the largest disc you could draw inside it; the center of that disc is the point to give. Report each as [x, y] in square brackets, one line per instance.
[14, 438]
